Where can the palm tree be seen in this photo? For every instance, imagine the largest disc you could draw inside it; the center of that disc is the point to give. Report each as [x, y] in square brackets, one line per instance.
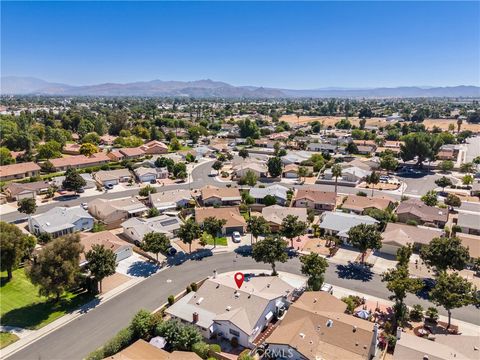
[459, 124]
[373, 179]
[336, 172]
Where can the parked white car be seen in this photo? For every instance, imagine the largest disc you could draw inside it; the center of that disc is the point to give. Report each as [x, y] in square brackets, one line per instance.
[236, 237]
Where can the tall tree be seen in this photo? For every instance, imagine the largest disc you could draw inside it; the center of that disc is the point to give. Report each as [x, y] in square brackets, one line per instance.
[452, 291]
[365, 237]
[302, 172]
[388, 162]
[27, 206]
[14, 246]
[101, 262]
[57, 266]
[243, 153]
[88, 149]
[445, 253]
[188, 232]
[373, 179]
[270, 251]
[73, 181]
[257, 225]
[156, 243]
[336, 173]
[292, 227]
[430, 198]
[275, 166]
[314, 266]
[213, 227]
[443, 182]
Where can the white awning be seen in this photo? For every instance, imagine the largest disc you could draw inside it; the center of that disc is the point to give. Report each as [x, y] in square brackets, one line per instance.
[269, 315]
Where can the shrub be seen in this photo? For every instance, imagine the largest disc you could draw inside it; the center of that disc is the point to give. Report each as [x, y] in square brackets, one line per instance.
[201, 349]
[352, 302]
[188, 289]
[391, 341]
[171, 300]
[362, 193]
[123, 338]
[215, 348]
[412, 222]
[194, 286]
[416, 314]
[142, 324]
[432, 313]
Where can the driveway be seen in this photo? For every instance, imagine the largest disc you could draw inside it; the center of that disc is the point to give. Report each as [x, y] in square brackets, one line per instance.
[343, 255]
[381, 262]
[137, 266]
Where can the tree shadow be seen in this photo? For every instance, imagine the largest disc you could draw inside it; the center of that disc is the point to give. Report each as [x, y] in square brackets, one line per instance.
[142, 269]
[244, 250]
[33, 315]
[354, 272]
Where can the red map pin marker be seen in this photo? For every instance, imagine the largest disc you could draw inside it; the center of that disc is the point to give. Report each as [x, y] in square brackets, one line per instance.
[239, 277]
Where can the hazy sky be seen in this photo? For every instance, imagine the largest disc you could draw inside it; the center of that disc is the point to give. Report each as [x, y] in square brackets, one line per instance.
[277, 44]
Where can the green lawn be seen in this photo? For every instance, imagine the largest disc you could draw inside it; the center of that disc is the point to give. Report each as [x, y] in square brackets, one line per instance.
[222, 241]
[21, 306]
[7, 339]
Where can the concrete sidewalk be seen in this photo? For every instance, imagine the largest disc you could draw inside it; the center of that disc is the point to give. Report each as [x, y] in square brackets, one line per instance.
[29, 336]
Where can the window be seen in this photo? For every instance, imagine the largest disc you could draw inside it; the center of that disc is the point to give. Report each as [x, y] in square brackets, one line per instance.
[234, 332]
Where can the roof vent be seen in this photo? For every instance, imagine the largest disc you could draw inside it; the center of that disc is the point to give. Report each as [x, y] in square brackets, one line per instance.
[354, 329]
[237, 294]
[268, 285]
[229, 308]
[199, 301]
[329, 323]
[302, 335]
[315, 300]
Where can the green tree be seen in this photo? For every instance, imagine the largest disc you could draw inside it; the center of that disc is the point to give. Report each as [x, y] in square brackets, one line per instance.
[302, 172]
[250, 179]
[430, 198]
[101, 262]
[142, 324]
[403, 255]
[270, 251]
[88, 149]
[269, 200]
[5, 157]
[14, 246]
[179, 169]
[467, 180]
[443, 182]
[91, 138]
[453, 200]
[248, 129]
[314, 267]
[365, 237]
[50, 150]
[156, 243]
[73, 181]
[389, 163]
[468, 167]
[292, 227]
[451, 292]
[175, 144]
[57, 266]
[257, 225]
[373, 179]
[179, 336]
[188, 232]
[147, 190]
[213, 227]
[27, 206]
[275, 166]
[336, 173]
[444, 253]
[217, 165]
[446, 165]
[243, 153]
[420, 146]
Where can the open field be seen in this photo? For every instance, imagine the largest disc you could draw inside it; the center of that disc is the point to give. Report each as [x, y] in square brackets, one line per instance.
[379, 122]
[21, 306]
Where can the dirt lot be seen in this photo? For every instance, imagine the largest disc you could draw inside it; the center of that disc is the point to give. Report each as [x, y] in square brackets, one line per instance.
[379, 122]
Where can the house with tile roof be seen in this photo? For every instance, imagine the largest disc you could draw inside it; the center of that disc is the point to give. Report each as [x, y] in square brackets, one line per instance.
[18, 171]
[212, 195]
[113, 212]
[234, 220]
[358, 204]
[315, 199]
[136, 228]
[275, 214]
[416, 210]
[397, 235]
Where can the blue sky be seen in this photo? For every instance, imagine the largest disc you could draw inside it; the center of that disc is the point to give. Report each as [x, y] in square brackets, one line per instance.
[276, 44]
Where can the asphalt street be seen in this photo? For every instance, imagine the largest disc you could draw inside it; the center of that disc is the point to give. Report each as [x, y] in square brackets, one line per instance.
[91, 330]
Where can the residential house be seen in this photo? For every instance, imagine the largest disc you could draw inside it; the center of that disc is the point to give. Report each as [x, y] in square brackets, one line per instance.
[170, 200]
[275, 214]
[258, 168]
[264, 143]
[472, 242]
[121, 248]
[366, 149]
[397, 235]
[323, 147]
[234, 220]
[59, 221]
[290, 171]
[113, 212]
[18, 171]
[415, 210]
[71, 149]
[154, 147]
[339, 223]
[358, 204]
[219, 308]
[296, 157]
[146, 174]
[352, 175]
[448, 152]
[211, 195]
[440, 347]
[142, 350]
[315, 199]
[19, 191]
[470, 223]
[107, 139]
[113, 177]
[284, 135]
[90, 183]
[316, 326]
[136, 228]
[279, 192]
[79, 161]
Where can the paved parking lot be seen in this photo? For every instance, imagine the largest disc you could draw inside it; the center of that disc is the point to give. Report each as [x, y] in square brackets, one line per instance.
[137, 266]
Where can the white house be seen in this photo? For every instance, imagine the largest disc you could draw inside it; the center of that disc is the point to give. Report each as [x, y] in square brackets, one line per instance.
[170, 200]
[145, 174]
[339, 223]
[60, 221]
[136, 228]
[279, 192]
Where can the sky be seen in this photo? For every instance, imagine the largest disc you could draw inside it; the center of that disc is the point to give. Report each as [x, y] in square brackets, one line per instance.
[296, 45]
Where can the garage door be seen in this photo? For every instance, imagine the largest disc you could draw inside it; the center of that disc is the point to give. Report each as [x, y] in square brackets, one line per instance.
[230, 230]
[124, 253]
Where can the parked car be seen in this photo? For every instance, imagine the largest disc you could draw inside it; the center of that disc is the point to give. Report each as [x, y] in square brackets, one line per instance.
[109, 186]
[236, 237]
[84, 206]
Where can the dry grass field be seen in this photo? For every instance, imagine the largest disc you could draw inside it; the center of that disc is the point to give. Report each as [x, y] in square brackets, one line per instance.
[379, 122]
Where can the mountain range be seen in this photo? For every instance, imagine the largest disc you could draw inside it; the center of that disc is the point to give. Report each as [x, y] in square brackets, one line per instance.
[17, 85]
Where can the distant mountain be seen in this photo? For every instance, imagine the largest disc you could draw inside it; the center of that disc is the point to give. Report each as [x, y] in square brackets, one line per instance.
[216, 89]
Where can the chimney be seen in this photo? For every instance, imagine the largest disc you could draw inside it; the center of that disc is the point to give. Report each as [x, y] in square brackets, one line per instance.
[399, 333]
[195, 317]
